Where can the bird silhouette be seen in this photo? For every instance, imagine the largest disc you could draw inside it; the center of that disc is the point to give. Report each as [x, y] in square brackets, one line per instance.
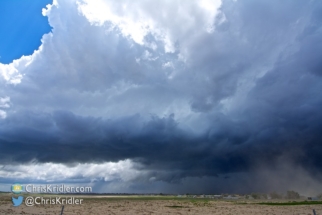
[17, 201]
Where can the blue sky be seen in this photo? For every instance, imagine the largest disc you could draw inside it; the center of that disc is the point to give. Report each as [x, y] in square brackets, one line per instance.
[198, 96]
[21, 28]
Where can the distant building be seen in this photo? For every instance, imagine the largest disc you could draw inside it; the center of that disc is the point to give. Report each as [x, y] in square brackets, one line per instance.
[231, 197]
[313, 198]
[249, 197]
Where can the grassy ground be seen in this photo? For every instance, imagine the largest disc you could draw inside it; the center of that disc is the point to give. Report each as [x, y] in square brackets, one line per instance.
[194, 201]
[148, 198]
[291, 203]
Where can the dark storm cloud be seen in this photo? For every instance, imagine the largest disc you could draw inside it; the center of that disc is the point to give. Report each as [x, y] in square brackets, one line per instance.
[253, 89]
[159, 144]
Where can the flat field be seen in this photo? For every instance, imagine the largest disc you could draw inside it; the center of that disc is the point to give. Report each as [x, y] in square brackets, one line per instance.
[162, 205]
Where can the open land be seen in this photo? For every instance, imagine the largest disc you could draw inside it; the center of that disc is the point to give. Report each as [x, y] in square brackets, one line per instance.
[151, 205]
